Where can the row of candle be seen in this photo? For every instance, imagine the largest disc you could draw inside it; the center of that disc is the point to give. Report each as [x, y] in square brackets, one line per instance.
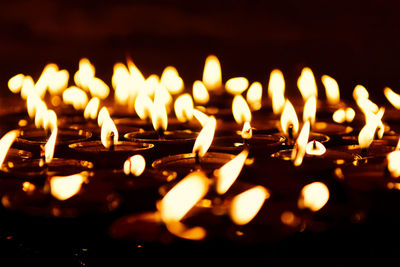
[86, 156]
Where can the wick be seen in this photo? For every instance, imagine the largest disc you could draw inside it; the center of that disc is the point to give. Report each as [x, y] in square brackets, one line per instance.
[314, 145]
[111, 140]
[364, 152]
[197, 159]
[42, 159]
[290, 132]
[161, 135]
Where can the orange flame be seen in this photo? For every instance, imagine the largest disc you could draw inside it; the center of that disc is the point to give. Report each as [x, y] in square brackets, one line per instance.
[392, 97]
[172, 81]
[200, 116]
[103, 114]
[393, 163]
[289, 118]
[200, 93]
[306, 84]
[254, 95]
[184, 107]
[143, 106]
[247, 131]
[15, 83]
[236, 85]
[299, 148]
[205, 137]
[331, 89]
[135, 165]
[5, 143]
[75, 97]
[313, 196]
[159, 116]
[107, 129]
[92, 108]
[65, 187]
[212, 77]
[245, 206]
[84, 74]
[228, 173]
[240, 110]
[310, 110]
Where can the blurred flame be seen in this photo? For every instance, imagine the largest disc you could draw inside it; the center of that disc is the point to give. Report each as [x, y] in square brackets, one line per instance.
[92, 108]
[254, 95]
[84, 74]
[15, 83]
[27, 87]
[306, 84]
[392, 97]
[276, 90]
[5, 143]
[200, 116]
[289, 118]
[120, 73]
[98, 88]
[350, 114]
[247, 131]
[65, 187]
[172, 81]
[28, 187]
[205, 137]
[183, 231]
[313, 196]
[75, 97]
[331, 89]
[50, 145]
[299, 148]
[310, 110]
[200, 93]
[159, 116]
[246, 205]
[184, 107]
[150, 85]
[143, 106]
[393, 163]
[228, 173]
[58, 82]
[339, 115]
[49, 71]
[183, 196]
[236, 85]
[240, 109]
[107, 129]
[135, 165]
[315, 148]
[372, 123]
[103, 114]
[360, 92]
[212, 77]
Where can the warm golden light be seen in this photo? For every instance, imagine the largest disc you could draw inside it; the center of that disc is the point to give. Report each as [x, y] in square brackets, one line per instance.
[200, 93]
[276, 84]
[84, 74]
[191, 233]
[310, 110]
[315, 148]
[212, 77]
[172, 81]
[228, 173]
[183, 196]
[75, 97]
[350, 114]
[98, 88]
[299, 148]
[254, 96]
[240, 110]
[28, 187]
[91, 109]
[103, 114]
[159, 116]
[5, 143]
[392, 97]
[143, 106]
[236, 85]
[65, 187]
[120, 74]
[289, 119]
[393, 163]
[306, 84]
[50, 145]
[313, 196]
[247, 131]
[200, 116]
[331, 89]
[27, 87]
[367, 133]
[339, 116]
[245, 206]
[205, 137]
[15, 83]
[184, 107]
[49, 71]
[360, 92]
[134, 165]
[58, 82]
[109, 133]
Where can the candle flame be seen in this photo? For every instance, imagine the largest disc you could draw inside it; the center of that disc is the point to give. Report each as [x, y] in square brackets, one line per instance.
[103, 114]
[299, 148]
[143, 106]
[360, 92]
[245, 206]
[200, 93]
[43, 82]
[392, 97]
[92, 108]
[98, 88]
[393, 163]
[183, 231]
[75, 97]
[310, 110]
[313, 196]
[108, 129]
[240, 110]
[84, 74]
[183, 196]
[65, 187]
[228, 173]
[372, 123]
[341, 115]
[27, 87]
[205, 137]
[212, 77]
[315, 148]
[172, 81]
[331, 89]
[247, 131]
[159, 116]
[15, 83]
[306, 84]
[276, 84]
[200, 116]
[5, 143]
[254, 95]
[120, 74]
[135, 165]
[58, 82]
[50, 145]
[289, 118]
[236, 85]
[184, 107]
[28, 187]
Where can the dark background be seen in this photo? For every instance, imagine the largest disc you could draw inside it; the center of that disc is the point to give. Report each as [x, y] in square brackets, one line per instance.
[353, 41]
